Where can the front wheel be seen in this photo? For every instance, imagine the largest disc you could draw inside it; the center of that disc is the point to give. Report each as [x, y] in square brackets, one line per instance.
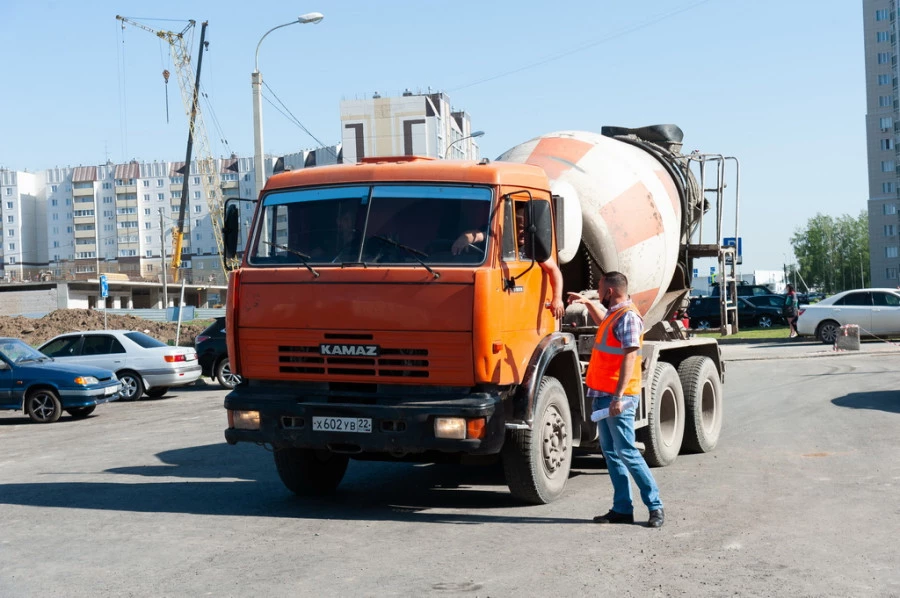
[664, 433]
[536, 462]
[43, 406]
[308, 472]
[225, 376]
[81, 412]
[765, 322]
[828, 331]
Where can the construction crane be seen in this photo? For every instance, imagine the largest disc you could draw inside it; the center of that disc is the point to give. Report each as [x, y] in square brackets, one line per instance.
[205, 164]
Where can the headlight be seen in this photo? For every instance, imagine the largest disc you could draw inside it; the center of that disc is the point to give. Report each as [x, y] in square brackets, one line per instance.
[86, 380]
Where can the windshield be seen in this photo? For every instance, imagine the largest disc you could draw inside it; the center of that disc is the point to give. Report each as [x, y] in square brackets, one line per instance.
[16, 351]
[401, 224]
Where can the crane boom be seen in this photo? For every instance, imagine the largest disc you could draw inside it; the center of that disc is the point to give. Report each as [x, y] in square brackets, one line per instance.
[204, 163]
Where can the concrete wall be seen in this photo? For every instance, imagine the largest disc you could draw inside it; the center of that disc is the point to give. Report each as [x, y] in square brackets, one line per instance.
[22, 302]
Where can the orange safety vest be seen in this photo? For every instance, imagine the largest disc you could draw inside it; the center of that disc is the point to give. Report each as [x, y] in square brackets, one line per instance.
[607, 357]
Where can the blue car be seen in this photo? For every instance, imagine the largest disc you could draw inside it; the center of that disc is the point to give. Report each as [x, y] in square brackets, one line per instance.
[44, 388]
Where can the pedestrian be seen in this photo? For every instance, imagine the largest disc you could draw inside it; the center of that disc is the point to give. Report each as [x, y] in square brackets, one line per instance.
[614, 382]
[789, 311]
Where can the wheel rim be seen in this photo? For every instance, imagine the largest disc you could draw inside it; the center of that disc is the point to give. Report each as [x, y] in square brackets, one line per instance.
[555, 441]
[129, 387]
[703, 325]
[829, 333]
[668, 416]
[765, 322]
[708, 407]
[42, 406]
[230, 378]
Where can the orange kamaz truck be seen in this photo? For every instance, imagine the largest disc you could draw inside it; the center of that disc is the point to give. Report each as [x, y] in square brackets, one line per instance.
[395, 309]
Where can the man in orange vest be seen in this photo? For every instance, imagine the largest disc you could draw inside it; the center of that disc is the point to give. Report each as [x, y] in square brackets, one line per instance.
[614, 382]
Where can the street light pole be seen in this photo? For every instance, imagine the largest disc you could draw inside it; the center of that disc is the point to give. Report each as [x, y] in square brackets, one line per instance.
[256, 84]
[475, 134]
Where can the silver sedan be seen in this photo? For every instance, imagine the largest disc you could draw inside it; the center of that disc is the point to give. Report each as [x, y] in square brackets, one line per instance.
[875, 311]
[142, 363]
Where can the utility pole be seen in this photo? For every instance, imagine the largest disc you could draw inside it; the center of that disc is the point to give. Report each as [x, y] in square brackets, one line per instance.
[162, 254]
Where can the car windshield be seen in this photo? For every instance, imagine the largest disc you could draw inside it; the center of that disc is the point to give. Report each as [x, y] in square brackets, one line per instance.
[144, 340]
[401, 224]
[17, 351]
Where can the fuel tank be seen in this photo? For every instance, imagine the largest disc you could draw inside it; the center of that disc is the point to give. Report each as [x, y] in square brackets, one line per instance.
[621, 210]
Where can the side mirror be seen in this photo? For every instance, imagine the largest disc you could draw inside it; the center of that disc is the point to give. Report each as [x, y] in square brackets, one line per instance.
[541, 229]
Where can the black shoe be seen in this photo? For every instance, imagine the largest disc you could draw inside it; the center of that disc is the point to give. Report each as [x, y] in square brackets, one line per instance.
[657, 518]
[613, 517]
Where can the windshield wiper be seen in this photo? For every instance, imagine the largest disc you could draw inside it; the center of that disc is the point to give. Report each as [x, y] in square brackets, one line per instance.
[413, 252]
[303, 257]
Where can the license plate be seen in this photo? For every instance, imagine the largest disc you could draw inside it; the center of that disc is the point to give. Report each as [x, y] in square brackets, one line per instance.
[111, 390]
[359, 425]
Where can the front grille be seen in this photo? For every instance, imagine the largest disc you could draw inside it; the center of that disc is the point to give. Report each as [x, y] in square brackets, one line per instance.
[392, 362]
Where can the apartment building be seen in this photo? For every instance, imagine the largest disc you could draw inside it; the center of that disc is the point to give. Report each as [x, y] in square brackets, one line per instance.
[411, 124]
[880, 28]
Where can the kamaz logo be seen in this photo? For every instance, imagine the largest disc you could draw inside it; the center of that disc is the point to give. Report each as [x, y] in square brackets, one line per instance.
[365, 350]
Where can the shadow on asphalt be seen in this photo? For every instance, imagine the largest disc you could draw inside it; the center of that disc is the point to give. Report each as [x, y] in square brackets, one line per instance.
[242, 481]
[881, 400]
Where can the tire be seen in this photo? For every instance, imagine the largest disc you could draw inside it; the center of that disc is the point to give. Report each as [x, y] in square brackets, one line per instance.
[765, 321]
[536, 462]
[132, 386]
[703, 404]
[308, 472]
[43, 406]
[827, 331]
[81, 412]
[225, 376]
[664, 433]
[155, 393]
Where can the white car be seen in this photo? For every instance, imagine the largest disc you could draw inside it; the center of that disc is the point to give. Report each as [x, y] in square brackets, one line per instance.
[142, 363]
[875, 311]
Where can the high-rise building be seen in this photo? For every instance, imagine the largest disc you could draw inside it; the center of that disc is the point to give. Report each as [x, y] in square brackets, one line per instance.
[880, 27]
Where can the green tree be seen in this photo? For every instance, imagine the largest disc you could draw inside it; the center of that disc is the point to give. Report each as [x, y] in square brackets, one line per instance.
[833, 253]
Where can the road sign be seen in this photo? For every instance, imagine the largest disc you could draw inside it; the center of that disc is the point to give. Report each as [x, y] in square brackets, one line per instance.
[732, 242]
[104, 287]
[696, 272]
[712, 270]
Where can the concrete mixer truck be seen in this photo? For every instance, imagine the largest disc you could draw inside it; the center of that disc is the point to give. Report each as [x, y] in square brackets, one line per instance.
[362, 329]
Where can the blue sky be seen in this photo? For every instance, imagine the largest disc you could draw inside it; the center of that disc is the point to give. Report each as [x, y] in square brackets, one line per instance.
[778, 84]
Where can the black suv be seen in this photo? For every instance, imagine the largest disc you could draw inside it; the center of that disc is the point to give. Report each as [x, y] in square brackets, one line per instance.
[212, 353]
[704, 313]
[744, 290]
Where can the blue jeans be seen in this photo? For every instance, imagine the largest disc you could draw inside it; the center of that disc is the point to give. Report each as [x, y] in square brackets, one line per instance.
[617, 443]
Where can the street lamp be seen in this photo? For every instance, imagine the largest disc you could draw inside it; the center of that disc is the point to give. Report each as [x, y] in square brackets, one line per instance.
[475, 134]
[256, 84]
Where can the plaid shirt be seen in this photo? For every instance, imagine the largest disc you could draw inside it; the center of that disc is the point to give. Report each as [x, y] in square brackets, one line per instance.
[627, 331]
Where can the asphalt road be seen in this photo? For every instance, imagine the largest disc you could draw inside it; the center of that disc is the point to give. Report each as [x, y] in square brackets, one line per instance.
[146, 499]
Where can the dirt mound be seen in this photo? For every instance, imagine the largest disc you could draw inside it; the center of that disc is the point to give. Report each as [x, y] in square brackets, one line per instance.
[36, 331]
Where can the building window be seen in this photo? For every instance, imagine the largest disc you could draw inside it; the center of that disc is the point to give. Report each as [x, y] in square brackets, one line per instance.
[12, 246]
[882, 36]
[148, 253]
[11, 220]
[889, 273]
[882, 14]
[884, 79]
[196, 180]
[159, 182]
[148, 225]
[888, 230]
[196, 195]
[12, 232]
[176, 194]
[9, 205]
[889, 208]
[160, 196]
[887, 166]
[146, 183]
[107, 199]
[146, 211]
[146, 197]
[887, 144]
[886, 123]
[9, 190]
[885, 101]
[883, 58]
[890, 252]
[198, 209]
[53, 188]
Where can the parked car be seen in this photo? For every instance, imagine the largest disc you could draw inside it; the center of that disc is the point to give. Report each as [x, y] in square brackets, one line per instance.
[141, 362]
[44, 388]
[212, 354]
[875, 311]
[703, 313]
[743, 290]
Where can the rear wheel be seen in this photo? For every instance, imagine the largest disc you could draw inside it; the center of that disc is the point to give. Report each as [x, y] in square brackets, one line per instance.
[765, 321]
[536, 462]
[81, 412]
[132, 386]
[664, 432]
[43, 406]
[703, 403]
[308, 472]
[225, 376]
[827, 331]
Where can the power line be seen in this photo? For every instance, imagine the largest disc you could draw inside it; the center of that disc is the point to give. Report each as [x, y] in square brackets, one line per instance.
[585, 45]
[295, 120]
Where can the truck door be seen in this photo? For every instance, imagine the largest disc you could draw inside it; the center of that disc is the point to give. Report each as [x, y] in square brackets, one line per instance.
[525, 318]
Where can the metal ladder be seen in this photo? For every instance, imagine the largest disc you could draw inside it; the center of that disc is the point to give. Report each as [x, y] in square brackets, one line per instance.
[710, 171]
